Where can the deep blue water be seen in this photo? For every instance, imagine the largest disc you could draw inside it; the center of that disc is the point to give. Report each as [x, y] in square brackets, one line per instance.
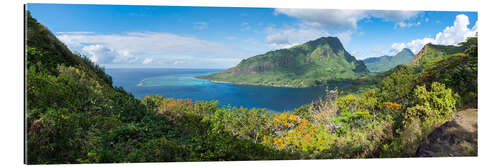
[179, 83]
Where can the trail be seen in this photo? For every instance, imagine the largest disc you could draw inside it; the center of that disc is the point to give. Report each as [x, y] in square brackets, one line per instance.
[457, 137]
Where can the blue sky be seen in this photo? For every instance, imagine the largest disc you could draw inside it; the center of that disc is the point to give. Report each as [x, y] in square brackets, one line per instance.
[220, 37]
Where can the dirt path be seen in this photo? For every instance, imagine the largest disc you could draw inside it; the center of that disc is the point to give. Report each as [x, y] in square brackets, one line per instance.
[457, 137]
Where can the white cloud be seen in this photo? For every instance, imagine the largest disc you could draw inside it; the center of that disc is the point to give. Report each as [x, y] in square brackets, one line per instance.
[133, 47]
[341, 19]
[451, 35]
[344, 37]
[288, 37]
[414, 45]
[404, 24]
[200, 25]
[100, 54]
[147, 61]
[394, 15]
[104, 55]
[326, 17]
[327, 22]
[75, 32]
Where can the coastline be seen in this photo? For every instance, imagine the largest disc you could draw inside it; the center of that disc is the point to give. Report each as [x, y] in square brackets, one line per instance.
[252, 84]
[256, 84]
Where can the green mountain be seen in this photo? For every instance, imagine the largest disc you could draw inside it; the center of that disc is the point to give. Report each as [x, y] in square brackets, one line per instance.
[426, 59]
[314, 63]
[431, 53]
[75, 115]
[384, 63]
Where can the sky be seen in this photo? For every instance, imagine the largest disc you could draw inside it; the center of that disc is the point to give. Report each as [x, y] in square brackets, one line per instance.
[126, 36]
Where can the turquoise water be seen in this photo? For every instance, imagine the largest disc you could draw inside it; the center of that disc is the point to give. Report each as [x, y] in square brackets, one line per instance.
[180, 83]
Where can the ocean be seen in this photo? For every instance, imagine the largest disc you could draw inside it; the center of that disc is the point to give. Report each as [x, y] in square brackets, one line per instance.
[180, 83]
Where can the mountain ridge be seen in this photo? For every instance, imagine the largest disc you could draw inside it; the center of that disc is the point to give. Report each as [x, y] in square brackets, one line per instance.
[431, 52]
[386, 62]
[316, 62]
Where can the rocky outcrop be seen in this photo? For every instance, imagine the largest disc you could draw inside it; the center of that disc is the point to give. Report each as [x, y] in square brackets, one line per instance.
[457, 137]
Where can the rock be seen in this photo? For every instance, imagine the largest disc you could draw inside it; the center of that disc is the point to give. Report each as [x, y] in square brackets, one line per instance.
[457, 137]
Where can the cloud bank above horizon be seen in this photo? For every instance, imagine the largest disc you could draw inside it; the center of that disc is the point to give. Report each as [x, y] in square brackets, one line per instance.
[451, 35]
[153, 48]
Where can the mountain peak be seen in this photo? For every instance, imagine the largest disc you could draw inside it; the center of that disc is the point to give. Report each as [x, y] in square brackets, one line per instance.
[384, 63]
[431, 52]
[406, 50]
[298, 66]
[333, 42]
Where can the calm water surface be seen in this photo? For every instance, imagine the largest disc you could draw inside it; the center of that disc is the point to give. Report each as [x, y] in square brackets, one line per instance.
[180, 83]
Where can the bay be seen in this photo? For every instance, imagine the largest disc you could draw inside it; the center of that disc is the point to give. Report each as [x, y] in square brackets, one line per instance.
[180, 83]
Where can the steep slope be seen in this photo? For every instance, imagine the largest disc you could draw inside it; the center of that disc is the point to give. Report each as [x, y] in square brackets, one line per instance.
[384, 63]
[75, 115]
[431, 52]
[433, 63]
[55, 52]
[316, 62]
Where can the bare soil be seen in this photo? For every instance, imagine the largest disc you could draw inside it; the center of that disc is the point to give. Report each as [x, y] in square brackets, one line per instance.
[457, 137]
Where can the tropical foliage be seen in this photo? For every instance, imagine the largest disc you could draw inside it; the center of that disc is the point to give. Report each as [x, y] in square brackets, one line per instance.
[75, 115]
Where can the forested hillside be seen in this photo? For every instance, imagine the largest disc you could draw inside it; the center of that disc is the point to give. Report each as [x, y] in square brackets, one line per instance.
[384, 63]
[315, 63]
[431, 52]
[75, 115]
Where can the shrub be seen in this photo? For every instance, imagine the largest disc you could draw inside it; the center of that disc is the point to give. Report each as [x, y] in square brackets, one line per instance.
[432, 108]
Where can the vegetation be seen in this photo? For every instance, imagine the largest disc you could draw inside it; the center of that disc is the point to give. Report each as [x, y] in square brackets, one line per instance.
[431, 53]
[75, 115]
[316, 63]
[384, 63]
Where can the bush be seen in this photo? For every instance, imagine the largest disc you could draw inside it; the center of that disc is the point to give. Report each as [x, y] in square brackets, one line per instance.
[398, 86]
[431, 109]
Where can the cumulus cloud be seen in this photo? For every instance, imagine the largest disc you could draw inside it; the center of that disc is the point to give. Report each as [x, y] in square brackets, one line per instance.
[100, 54]
[451, 35]
[133, 47]
[104, 55]
[288, 37]
[317, 23]
[331, 18]
[341, 19]
[414, 45]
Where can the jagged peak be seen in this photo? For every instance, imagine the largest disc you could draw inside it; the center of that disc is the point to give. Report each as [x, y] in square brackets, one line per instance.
[333, 42]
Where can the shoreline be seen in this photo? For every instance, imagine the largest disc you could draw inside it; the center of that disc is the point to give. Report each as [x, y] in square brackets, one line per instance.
[252, 84]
